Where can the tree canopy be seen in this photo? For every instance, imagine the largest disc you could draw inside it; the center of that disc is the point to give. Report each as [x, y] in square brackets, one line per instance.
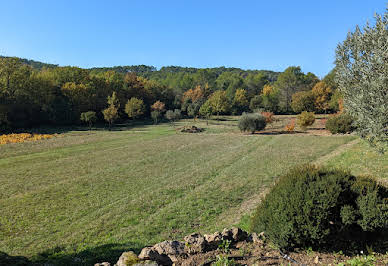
[362, 77]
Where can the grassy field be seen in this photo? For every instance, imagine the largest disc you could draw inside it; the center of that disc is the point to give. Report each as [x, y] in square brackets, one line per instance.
[86, 196]
[363, 160]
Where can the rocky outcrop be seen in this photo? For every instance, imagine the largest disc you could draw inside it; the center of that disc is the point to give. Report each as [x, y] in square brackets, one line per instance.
[169, 252]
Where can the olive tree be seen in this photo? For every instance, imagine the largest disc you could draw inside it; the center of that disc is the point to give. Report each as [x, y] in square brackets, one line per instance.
[362, 77]
[89, 118]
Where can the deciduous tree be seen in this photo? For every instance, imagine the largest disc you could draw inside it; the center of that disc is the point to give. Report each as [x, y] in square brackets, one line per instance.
[303, 101]
[219, 102]
[322, 93]
[134, 108]
[111, 113]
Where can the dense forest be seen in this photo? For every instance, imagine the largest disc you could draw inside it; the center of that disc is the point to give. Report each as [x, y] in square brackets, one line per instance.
[34, 93]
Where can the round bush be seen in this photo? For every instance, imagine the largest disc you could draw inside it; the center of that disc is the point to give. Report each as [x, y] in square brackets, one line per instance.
[306, 119]
[319, 207]
[251, 123]
[342, 123]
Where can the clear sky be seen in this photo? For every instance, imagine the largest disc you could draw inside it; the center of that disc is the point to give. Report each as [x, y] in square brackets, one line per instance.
[270, 34]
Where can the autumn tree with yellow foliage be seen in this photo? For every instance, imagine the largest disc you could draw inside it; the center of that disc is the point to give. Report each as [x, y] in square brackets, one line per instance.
[270, 98]
[322, 93]
[240, 101]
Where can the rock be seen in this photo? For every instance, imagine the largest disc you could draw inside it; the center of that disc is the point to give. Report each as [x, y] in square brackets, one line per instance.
[238, 234]
[147, 253]
[195, 243]
[146, 263]
[150, 254]
[227, 234]
[170, 248]
[102, 264]
[213, 240]
[316, 260]
[127, 258]
[239, 244]
[167, 252]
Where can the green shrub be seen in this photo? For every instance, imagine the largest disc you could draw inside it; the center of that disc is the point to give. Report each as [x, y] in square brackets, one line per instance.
[342, 123]
[319, 207]
[305, 119]
[251, 123]
[89, 117]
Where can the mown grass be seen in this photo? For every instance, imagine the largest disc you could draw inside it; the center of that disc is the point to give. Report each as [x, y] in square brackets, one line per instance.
[86, 196]
[361, 159]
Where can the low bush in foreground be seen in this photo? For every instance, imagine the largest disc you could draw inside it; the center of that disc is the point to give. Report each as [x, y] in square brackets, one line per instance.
[341, 123]
[322, 208]
[251, 123]
[306, 119]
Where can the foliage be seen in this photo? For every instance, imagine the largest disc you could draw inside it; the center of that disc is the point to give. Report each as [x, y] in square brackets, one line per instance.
[362, 77]
[251, 123]
[312, 206]
[224, 247]
[134, 107]
[219, 102]
[34, 93]
[223, 260]
[270, 98]
[255, 103]
[206, 110]
[193, 108]
[291, 81]
[194, 94]
[240, 101]
[340, 123]
[303, 101]
[322, 93]
[305, 119]
[158, 106]
[111, 113]
[89, 118]
[336, 101]
[173, 115]
[155, 115]
[22, 137]
[290, 126]
[269, 117]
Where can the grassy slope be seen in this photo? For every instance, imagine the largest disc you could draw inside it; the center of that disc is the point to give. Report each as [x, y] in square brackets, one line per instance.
[88, 196]
[363, 160]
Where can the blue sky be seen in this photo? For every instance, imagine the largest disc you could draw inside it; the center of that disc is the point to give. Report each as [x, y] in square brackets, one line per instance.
[247, 34]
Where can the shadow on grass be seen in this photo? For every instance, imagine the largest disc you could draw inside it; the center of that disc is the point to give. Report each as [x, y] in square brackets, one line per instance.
[278, 132]
[53, 129]
[6, 260]
[59, 256]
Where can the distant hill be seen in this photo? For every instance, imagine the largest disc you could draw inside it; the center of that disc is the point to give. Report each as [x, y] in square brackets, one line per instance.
[152, 72]
[33, 63]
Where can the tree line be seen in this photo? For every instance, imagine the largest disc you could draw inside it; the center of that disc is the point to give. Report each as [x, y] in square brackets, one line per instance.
[33, 93]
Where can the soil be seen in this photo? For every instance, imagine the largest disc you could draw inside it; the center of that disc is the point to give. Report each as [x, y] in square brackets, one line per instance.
[249, 253]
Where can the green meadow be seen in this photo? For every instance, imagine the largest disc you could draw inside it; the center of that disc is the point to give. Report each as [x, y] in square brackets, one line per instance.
[86, 196]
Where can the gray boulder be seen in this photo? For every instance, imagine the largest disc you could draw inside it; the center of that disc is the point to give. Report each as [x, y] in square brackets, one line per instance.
[170, 247]
[195, 243]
